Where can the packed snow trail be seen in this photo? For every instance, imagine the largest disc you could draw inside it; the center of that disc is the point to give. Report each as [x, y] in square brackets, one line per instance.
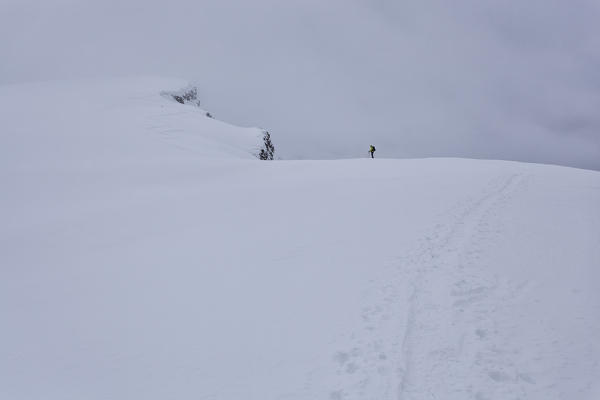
[145, 254]
[422, 359]
[437, 343]
[457, 335]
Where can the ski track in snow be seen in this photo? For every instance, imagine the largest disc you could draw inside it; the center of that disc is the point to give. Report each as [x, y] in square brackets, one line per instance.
[453, 341]
[450, 347]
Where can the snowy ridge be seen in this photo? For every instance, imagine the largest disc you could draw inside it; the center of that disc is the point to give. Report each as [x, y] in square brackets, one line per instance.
[117, 118]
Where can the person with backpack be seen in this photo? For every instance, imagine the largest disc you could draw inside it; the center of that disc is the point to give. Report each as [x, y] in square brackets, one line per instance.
[372, 150]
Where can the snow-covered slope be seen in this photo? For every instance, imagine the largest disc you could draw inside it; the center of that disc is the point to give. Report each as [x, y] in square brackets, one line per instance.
[145, 256]
[113, 121]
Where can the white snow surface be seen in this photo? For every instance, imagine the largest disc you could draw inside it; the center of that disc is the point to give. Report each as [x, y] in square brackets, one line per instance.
[145, 254]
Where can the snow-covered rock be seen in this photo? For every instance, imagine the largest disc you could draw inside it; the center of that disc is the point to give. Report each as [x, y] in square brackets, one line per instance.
[119, 119]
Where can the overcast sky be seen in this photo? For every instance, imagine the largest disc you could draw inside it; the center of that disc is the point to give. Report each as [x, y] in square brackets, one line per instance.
[508, 79]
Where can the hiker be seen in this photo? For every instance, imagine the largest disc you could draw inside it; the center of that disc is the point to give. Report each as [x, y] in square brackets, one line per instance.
[372, 150]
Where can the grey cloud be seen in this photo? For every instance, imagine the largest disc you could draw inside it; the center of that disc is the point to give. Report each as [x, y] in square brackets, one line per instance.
[501, 79]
